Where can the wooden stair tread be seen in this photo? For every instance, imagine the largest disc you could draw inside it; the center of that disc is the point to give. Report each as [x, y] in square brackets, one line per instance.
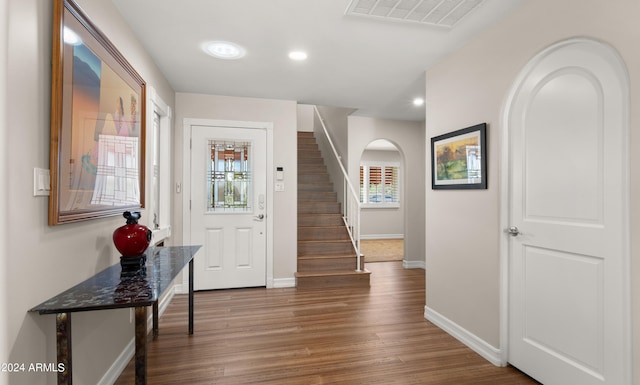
[314, 196]
[332, 273]
[322, 215]
[326, 240]
[311, 203]
[307, 219]
[322, 227]
[326, 256]
[316, 184]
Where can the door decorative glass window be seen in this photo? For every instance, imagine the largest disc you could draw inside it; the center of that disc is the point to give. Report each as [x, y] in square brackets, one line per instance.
[229, 177]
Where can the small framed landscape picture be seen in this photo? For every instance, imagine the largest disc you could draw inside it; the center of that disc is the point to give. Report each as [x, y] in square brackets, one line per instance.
[459, 159]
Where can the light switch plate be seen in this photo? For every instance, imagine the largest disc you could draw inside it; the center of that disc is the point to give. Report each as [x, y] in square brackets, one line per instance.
[41, 182]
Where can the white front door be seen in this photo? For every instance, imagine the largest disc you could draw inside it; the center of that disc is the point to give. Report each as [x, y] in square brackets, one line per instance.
[228, 206]
[568, 247]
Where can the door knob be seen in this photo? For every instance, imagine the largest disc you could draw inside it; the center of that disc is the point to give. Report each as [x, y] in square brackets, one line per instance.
[259, 217]
[513, 231]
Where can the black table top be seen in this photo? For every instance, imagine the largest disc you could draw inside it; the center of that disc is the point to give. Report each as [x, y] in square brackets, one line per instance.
[112, 288]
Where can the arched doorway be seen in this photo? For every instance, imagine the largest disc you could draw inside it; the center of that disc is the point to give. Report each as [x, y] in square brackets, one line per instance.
[381, 195]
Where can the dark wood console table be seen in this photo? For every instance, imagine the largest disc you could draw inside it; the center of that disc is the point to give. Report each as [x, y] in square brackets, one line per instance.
[113, 289]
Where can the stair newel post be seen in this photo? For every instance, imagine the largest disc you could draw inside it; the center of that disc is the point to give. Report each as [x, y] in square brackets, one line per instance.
[357, 234]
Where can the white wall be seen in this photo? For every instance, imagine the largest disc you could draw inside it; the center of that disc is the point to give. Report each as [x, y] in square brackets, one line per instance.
[4, 164]
[305, 117]
[409, 138]
[469, 87]
[38, 261]
[335, 119]
[282, 114]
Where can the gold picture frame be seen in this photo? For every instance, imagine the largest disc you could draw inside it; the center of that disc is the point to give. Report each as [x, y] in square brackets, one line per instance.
[97, 123]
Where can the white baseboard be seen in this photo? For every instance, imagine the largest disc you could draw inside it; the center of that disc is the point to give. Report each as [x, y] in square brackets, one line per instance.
[112, 374]
[413, 264]
[381, 236]
[475, 343]
[283, 282]
[118, 366]
[181, 288]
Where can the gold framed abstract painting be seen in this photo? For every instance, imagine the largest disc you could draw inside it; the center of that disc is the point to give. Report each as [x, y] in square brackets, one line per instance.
[97, 123]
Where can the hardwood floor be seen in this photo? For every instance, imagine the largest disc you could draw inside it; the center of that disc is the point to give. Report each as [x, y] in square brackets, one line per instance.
[375, 335]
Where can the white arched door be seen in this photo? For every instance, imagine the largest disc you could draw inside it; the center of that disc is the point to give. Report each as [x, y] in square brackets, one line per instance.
[568, 225]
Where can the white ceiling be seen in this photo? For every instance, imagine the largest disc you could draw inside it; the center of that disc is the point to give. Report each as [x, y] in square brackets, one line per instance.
[374, 65]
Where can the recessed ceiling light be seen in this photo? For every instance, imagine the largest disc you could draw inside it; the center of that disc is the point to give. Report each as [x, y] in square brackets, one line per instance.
[224, 50]
[418, 102]
[298, 55]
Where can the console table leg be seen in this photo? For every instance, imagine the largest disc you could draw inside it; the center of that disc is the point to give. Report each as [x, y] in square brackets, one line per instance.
[63, 343]
[155, 320]
[191, 296]
[141, 345]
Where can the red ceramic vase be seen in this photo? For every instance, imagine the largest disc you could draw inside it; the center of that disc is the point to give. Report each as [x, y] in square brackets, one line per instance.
[132, 239]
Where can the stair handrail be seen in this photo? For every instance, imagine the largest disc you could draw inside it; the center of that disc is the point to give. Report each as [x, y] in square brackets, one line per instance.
[351, 201]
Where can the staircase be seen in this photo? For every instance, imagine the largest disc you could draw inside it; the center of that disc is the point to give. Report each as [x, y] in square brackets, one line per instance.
[326, 257]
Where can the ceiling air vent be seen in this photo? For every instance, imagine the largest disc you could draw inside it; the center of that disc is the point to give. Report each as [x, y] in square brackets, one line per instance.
[442, 13]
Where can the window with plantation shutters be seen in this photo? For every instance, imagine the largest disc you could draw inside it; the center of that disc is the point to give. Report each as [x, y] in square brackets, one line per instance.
[379, 184]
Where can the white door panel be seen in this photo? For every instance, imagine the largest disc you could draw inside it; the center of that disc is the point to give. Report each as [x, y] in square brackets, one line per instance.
[564, 121]
[567, 128]
[565, 306]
